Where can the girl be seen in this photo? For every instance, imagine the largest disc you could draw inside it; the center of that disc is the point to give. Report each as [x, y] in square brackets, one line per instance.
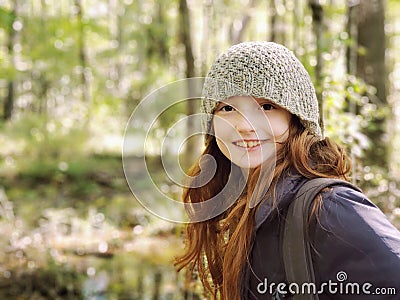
[260, 111]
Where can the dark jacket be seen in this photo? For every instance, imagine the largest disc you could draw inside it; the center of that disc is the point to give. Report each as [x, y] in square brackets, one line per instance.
[355, 249]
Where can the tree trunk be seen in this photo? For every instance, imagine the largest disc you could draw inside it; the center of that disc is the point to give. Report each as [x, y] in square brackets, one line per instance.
[371, 36]
[272, 20]
[9, 103]
[277, 10]
[296, 26]
[44, 83]
[207, 28]
[116, 33]
[163, 39]
[371, 68]
[82, 52]
[351, 49]
[351, 67]
[186, 38]
[237, 32]
[317, 20]
[157, 285]
[190, 72]
[42, 94]
[12, 34]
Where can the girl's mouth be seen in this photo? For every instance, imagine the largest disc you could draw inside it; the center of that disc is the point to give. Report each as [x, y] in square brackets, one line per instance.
[248, 144]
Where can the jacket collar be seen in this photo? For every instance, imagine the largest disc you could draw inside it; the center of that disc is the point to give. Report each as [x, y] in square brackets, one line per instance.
[286, 189]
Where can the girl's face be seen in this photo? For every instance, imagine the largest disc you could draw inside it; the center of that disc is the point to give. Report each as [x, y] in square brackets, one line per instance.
[247, 129]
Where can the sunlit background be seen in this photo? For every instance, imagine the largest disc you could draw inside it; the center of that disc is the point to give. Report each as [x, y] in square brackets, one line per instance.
[72, 72]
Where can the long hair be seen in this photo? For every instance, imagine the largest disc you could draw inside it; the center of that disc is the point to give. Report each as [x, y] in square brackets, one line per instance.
[218, 249]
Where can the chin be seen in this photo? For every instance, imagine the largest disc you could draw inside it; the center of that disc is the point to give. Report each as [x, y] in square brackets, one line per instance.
[248, 165]
[254, 163]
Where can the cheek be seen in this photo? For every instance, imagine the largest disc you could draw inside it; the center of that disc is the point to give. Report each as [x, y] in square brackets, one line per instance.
[221, 139]
[223, 148]
[224, 133]
[222, 128]
[280, 129]
[280, 124]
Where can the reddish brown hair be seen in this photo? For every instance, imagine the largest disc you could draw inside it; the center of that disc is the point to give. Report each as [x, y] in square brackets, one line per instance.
[218, 249]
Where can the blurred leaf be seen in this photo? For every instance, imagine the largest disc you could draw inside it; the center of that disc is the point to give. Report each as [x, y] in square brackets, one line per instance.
[7, 18]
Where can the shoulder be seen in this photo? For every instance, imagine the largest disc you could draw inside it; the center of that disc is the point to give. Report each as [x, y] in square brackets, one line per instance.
[352, 234]
[346, 196]
[349, 214]
[346, 208]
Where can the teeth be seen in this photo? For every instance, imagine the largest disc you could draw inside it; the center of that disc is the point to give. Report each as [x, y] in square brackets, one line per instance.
[249, 144]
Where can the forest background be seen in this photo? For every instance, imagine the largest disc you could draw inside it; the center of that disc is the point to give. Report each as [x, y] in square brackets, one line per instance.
[73, 71]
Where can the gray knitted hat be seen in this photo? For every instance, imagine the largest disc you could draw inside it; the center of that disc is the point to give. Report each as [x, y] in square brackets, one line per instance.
[263, 70]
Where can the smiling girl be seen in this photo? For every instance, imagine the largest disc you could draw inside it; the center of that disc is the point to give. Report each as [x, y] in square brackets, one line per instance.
[247, 129]
[261, 118]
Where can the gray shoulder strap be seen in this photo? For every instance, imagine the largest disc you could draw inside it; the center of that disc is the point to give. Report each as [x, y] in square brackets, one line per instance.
[296, 248]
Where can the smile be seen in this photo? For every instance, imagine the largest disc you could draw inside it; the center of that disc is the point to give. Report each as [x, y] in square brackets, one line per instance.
[248, 143]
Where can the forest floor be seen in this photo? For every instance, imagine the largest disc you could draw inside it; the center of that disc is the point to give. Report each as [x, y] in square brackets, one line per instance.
[80, 229]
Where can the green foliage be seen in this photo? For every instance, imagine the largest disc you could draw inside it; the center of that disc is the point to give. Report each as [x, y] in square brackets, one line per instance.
[56, 156]
[7, 18]
[45, 140]
[52, 282]
[348, 109]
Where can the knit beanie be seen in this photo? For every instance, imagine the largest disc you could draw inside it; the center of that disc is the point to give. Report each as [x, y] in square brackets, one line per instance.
[262, 70]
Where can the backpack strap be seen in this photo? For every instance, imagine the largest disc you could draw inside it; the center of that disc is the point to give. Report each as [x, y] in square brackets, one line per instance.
[296, 247]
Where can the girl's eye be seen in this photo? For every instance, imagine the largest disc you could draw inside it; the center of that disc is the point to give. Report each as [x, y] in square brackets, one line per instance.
[267, 106]
[227, 108]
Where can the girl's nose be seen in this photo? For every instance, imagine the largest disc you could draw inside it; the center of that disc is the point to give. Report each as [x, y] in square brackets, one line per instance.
[243, 124]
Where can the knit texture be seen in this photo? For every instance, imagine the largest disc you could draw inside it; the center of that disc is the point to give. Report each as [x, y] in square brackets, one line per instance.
[262, 70]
